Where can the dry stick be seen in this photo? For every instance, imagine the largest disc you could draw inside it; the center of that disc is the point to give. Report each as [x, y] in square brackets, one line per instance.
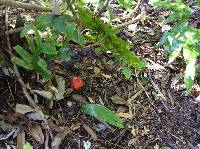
[120, 26]
[29, 98]
[15, 4]
[135, 96]
[103, 8]
[12, 31]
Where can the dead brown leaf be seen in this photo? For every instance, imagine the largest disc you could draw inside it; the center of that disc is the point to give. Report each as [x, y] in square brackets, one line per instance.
[78, 98]
[20, 139]
[118, 100]
[36, 132]
[59, 137]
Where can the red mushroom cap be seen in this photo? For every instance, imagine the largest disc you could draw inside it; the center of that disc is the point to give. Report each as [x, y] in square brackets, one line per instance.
[76, 83]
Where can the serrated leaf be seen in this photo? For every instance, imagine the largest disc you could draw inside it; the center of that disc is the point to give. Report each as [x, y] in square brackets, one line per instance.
[43, 21]
[71, 32]
[24, 54]
[103, 114]
[49, 48]
[22, 63]
[127, 72]
[59, 23]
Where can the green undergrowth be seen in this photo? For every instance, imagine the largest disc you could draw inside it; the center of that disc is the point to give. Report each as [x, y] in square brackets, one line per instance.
[181, 38]
[50, 37]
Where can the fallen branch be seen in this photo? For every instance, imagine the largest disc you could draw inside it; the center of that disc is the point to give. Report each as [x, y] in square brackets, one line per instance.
[139, 17]
[17, 4]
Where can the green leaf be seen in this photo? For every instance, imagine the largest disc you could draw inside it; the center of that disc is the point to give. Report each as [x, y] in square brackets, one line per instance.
[189, 75]
[65, 54]
[71, 32]
[22, 63]
[198, 2]
[190, 56]
[49, 48]
[24, 54]
[38, 41]
[26, 29]
[127, 4]
[30, 44]
[110, 13]
[127, 72]
[103, 114]
[59, 23]
[44, 21]
[41, 66]
[109, 40]
[27, 146]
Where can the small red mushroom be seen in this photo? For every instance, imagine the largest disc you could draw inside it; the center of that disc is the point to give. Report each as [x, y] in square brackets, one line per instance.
[76, 83]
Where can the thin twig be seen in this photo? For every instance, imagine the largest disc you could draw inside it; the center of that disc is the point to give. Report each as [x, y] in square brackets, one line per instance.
[17, 4]
[71, 8]
[135, 96]
[120, 26]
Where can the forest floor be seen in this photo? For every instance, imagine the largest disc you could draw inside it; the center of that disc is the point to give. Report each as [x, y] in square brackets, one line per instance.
[161, 115]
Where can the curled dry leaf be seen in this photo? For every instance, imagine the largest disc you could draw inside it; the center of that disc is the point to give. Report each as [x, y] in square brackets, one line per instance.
[36, 132]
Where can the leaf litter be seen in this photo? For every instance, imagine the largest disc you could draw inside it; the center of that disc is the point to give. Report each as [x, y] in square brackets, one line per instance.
[155, 122]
